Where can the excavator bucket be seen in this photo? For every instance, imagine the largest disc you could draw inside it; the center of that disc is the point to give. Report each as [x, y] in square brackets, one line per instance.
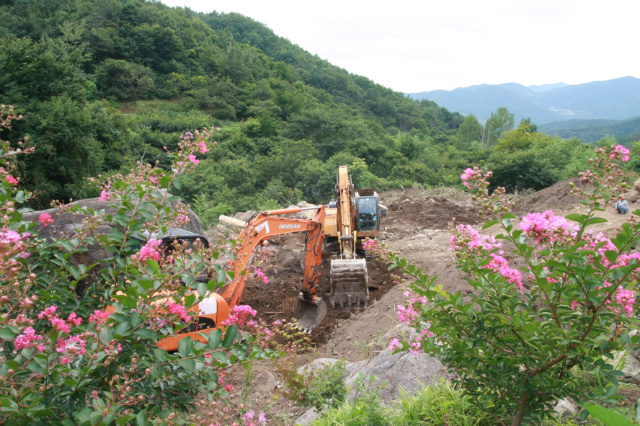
[310, 314]
[349, 283]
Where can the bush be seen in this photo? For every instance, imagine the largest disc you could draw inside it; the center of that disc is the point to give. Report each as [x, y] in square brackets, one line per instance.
[515, 340]
[71, 360]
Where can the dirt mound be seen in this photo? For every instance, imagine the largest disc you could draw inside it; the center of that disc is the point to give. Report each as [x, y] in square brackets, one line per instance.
[555, 197]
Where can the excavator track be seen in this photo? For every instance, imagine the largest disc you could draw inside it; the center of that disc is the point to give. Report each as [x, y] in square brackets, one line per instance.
[349, 283]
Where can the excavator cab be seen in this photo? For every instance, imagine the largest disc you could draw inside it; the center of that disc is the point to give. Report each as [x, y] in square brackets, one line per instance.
[367, 213]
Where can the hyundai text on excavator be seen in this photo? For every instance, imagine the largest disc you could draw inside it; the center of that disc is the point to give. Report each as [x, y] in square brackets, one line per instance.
[216, 307]
[350, 218]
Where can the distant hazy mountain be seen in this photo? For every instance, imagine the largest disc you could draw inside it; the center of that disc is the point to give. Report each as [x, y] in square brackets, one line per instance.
[616, 99]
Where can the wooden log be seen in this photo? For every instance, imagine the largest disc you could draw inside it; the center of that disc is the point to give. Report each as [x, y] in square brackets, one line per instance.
[232, 221]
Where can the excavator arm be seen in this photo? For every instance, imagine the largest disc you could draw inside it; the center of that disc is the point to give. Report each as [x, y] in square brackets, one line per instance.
[216, 307]
[269, 224]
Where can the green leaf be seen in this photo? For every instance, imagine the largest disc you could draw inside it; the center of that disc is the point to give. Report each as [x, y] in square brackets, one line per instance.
[128, 301]
[188, 364]
[7, 333]
[576, 217]
[606, 416]
[214, 338]
[7, 405]
[154, 265]
[595, 220]
[230, 336]
[141, 418]
[185, 346]
[177, 183]
[122, 330]
[145, 333]
[489, 224]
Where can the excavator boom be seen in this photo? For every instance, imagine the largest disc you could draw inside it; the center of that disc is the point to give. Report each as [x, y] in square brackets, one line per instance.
[216, 307]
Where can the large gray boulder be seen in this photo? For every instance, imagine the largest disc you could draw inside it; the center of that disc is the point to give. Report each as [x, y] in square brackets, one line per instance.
[383, 372]
[66, 223]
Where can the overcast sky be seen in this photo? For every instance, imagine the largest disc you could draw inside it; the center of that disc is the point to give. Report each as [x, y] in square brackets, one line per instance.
[421, 45]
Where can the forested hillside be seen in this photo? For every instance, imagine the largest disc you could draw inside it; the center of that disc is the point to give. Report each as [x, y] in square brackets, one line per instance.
[625, 131]
[104, 84]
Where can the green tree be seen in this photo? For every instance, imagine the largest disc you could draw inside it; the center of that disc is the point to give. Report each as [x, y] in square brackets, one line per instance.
[499, 122]
[67, 151]
[124, 80]
[470, 131]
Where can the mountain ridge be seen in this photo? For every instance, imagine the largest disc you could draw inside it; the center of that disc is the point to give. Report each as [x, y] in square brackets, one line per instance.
[615, 99]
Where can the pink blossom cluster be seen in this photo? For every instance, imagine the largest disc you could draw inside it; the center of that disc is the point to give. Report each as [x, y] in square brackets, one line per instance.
[369, 244]
[239, 315]
[469, 174]
[11, 180]
[626, 299]
[547, 228]
[248, 418]
[394, 345]
[408, 314]
[105, 195]
[260, 273]
[27, 338]
[72, 345]
[466, 238]
[149, 251]
[58, 323]
[155, 178]
[500, 265]
[179, 310]
[98, 317]
[45, 219]
[619, 153]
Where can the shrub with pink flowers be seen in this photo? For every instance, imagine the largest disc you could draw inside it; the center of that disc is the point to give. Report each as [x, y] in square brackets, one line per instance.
[91, 357]
[547, 297]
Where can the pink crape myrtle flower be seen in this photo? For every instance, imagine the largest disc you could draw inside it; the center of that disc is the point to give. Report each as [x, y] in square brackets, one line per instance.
[193, 159]
[73, 344]
[547, 227]
[9, 237]
[12, 181]
[239, 315]
[45, 219]
[149, 251]
[500, 265]
[394, 345]
[620, 152]
[98, 317]
[178, 309]
[202, 147]
[468, 238]
[105, 196]
[467, 175]
[626, 298]
[261, 274]
[25, 339]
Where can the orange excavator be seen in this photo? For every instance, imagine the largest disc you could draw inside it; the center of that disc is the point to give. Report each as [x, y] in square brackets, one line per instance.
[216, 307]
[351, 217]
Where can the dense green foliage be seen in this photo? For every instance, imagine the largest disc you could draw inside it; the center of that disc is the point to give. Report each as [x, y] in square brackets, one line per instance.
[108, 83]
[591, 131]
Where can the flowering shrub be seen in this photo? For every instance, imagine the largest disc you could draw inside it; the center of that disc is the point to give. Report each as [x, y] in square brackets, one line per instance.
[547, 296]
[66, 358]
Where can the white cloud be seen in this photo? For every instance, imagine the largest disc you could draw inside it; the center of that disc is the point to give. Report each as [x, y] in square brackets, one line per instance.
[414, 46]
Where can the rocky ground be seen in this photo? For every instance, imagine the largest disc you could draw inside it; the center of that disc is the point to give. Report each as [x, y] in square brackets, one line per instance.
[416, 227]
